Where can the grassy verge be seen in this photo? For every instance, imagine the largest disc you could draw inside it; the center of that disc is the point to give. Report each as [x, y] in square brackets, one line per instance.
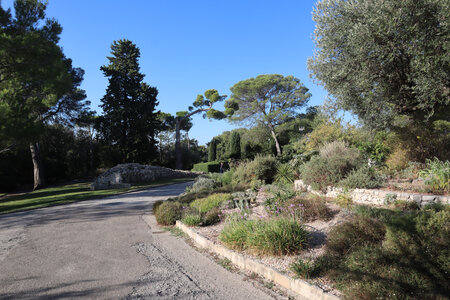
[69, 193]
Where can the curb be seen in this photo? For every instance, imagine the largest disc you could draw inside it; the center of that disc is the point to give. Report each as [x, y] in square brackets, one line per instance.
[301, 287]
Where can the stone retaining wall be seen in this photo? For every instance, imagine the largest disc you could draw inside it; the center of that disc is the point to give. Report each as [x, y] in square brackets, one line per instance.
[123, 175]
[374, 196]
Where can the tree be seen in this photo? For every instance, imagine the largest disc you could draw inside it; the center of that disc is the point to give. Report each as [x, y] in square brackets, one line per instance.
[130, 122]
[235, 145]
[201, 104]
[268, 99]
[38, 84]
[384, 58]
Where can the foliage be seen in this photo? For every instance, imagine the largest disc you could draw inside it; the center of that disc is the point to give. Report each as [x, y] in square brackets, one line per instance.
[331, 166]
[202, 184]
[212, 150]
[235, 145]
[192, 219]
[168, 213]
[209, 167]
[376, 79]
[398, 159]
[437, 174]
[266, 237]
[311, 208]
[268, 99]
[285, 174]
[38, 84]
[362, 178]
[303, 268]
[222, 179]
[211, 217]
[262, 168]
[204, 205]
[130, 123]
[411, 263]
[344, 200]
[358, 232]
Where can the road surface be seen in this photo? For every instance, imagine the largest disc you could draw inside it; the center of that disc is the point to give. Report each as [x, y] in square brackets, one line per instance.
[108, 249]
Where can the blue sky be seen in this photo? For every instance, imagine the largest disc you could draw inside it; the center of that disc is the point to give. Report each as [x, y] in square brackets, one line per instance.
[188, 47]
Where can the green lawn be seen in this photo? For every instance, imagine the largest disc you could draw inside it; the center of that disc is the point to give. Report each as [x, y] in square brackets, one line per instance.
[67, 194]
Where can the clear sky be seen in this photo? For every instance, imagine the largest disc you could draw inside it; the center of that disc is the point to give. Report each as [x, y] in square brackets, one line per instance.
[190, 46]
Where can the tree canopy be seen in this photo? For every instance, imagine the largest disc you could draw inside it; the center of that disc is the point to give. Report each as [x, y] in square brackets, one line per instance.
[384, 58]
[38, 84]
[130, 122]
[268, 99]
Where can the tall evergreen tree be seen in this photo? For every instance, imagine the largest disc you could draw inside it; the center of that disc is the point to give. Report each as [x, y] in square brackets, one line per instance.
[235, 145]
[130, 123]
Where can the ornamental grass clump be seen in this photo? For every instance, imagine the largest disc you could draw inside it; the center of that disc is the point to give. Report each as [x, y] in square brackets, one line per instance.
[281, 236]
[204, 205]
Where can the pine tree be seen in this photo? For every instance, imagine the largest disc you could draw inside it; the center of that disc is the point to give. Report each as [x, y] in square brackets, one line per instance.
[130, 122]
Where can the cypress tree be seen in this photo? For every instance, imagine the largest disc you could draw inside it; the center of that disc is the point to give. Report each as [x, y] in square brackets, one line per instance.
[212, 149]
[235, 145]
[130, 123]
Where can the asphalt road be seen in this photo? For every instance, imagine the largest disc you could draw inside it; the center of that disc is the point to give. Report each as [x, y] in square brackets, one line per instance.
[108, 249]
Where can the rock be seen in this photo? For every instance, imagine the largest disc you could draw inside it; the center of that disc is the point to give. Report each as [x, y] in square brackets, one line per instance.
[123, 175]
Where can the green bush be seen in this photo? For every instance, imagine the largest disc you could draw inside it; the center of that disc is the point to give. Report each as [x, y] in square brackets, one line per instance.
[211, 217]
[358, 232]
[285, 174]
[362, 178]
[303, 268]
[222, 179]
[156, 205]
[412, 262]
[262, 168]
[204, 205]
[209, 167]
[202, 184]
[168, 213]
[437, 175]
[265, 237]
[331, 166]
[192, 219]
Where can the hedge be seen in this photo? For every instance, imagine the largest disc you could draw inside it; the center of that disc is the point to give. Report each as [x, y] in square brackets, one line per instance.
[210, 167]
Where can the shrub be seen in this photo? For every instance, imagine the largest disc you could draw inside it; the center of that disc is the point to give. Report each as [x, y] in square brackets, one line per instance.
[202, 184]
[267, 237]
[312, 209]
[262, 168]
[362, 178]
[192, 219]
[330, 168]
[437, 174]
[398, 159]
[358, 232]
[303, 268]
[344, 200]
[209, 167]
[204, 205]
[222, 179]
[285, 174]
[156, 205]
[211, 217]
[168, 213]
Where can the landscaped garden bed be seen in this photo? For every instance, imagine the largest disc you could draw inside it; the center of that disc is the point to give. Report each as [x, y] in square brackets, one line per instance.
[349, 250]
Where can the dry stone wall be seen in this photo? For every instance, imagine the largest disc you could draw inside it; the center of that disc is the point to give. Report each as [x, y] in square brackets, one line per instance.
[374, 196]
[123, 175]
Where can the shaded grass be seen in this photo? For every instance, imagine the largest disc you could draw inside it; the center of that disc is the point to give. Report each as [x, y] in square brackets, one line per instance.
[68, 194]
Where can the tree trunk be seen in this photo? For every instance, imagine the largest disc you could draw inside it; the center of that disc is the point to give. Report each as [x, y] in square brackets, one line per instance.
[188, 141]
[277, 145]
[178, 162]
[38, 167]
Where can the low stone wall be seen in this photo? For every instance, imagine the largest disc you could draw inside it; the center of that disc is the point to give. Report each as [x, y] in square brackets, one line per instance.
[301, 287]
[374, 196]
[123, 175]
